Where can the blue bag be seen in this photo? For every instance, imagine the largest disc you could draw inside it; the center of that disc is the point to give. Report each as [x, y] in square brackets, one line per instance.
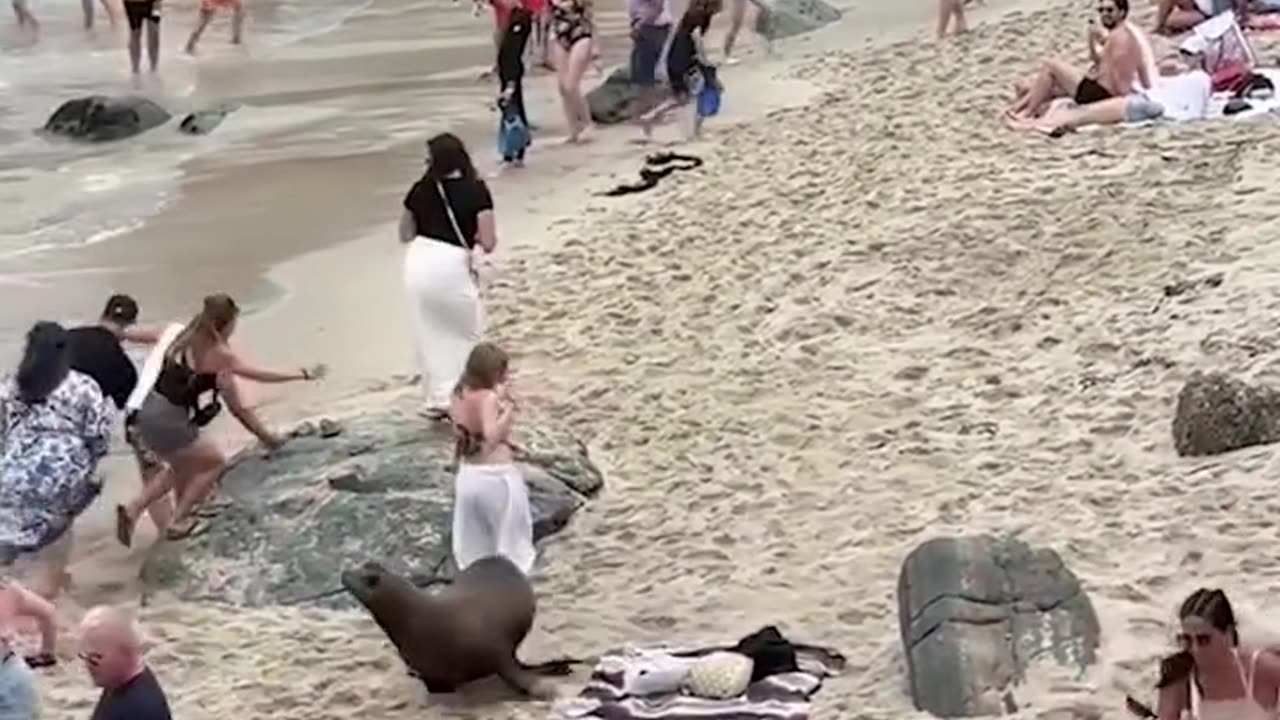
[513, 134]
[709, 95]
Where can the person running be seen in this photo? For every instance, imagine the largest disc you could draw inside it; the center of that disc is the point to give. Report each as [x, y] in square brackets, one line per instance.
[491, 513]
[55, 426]
[207, 10]
[688, 67]
[573, 24]
[140, 13]
[737, 17]
[198, 363]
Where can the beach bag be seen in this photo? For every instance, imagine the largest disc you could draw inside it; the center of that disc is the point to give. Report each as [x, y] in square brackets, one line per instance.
[513, 134]
[709, 94]
[1227, 53]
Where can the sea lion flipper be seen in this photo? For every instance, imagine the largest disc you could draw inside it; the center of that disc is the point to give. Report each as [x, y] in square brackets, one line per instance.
[523, 680]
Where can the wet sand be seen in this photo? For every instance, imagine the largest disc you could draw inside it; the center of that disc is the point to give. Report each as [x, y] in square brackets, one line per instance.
[873, 317]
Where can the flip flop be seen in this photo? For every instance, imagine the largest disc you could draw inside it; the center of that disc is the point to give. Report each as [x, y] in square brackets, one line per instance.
[211, 509]
[197, 528]
[124, 527]
[40, 660]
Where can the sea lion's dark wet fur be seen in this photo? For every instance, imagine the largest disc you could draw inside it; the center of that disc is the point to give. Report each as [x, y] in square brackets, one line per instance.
[467, 631]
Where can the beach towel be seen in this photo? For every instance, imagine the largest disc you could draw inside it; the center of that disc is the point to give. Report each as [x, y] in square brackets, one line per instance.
[780, 696]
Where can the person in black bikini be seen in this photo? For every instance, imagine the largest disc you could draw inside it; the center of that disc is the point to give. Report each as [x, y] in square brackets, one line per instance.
[1117, 55]
[198, 363]
[573, 27]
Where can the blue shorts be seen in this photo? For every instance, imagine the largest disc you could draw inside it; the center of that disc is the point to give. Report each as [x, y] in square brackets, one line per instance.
[19, 699]
[1140, 108]
[647, 44]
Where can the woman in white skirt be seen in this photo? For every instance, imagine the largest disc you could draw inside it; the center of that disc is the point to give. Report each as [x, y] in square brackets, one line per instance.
[447, 215]
[491, 502]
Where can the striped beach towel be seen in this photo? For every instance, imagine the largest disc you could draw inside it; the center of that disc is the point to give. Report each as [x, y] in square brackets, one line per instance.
[785, 696]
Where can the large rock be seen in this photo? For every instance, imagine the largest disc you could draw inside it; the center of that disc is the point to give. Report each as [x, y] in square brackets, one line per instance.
[1217, 414]
[99, 118]
[614, 100]
[794, 17]
[381, 489]
[975, 612]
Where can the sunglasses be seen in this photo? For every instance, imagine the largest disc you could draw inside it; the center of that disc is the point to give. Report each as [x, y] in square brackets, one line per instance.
[1186, 640]
[92, 658]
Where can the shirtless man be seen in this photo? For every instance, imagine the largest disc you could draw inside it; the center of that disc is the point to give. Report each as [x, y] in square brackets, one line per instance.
[1119, 67]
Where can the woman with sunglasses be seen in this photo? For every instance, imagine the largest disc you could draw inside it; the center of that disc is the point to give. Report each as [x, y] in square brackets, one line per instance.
[1212, 676]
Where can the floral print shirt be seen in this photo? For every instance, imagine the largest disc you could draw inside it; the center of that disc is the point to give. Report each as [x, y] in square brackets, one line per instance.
[49, 455]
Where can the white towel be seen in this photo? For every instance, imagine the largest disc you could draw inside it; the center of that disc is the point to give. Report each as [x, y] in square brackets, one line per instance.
[151, 368]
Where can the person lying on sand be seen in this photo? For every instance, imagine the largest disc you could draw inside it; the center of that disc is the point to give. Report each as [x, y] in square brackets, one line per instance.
[1180, 92]
[1176, 16]
[1212, 675]
[1122, 63]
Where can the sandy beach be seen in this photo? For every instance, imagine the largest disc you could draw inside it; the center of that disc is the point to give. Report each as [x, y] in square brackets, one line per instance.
[874, 316]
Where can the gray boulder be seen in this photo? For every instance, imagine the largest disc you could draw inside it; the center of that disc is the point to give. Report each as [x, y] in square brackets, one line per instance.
[375, 486]
[786, 18]
[99, 118]
[1217, 414]
[614, 100]
[975, 612]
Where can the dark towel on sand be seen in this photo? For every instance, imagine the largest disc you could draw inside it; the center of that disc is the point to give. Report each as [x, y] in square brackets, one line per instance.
[782, 696]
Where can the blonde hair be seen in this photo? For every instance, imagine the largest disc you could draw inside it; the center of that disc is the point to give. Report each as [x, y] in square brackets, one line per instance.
[208, 325]
[485, 367]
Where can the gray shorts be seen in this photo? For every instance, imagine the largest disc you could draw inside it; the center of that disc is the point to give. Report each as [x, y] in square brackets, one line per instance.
[1140, 108]
[164, 427]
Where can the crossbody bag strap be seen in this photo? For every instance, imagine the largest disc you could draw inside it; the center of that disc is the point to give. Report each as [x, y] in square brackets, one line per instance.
[453, 220]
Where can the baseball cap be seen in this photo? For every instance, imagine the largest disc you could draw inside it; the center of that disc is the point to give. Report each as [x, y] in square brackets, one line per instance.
[122, 309]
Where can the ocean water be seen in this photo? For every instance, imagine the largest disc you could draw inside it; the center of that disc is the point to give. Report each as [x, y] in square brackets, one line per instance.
[56, 195]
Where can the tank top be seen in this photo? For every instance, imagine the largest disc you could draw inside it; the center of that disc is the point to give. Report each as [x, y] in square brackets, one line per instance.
[1245, 707]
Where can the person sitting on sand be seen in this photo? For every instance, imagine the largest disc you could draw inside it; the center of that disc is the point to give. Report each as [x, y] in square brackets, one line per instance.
[1212, 676]
[1180, 92]
[55, 426]
[111, 649]
[171, 419]
[18, 603]
[1176, 16]
[491, 513]
[1122, 62]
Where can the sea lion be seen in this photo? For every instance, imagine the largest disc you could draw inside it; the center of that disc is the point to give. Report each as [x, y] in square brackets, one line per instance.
[467, 631]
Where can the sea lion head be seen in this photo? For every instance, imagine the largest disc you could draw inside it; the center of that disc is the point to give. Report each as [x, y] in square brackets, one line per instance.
[366, 581]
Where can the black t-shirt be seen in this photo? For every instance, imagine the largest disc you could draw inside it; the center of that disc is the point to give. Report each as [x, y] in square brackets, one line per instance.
[139, 699]
[468, 198]
[96, 352]
[511, 49]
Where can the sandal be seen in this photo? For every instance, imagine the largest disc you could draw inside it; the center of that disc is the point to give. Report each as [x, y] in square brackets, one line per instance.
[124, 526]
[195, 529]
[41, 660]
[211, 509]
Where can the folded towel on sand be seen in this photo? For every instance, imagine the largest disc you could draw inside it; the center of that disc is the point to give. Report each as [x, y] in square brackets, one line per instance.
[784, 696]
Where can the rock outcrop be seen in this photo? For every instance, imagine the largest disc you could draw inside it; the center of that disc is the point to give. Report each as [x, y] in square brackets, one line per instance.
[1217, 414]
[975, 612]
[99, 118]
[375, 486]
[614, 100]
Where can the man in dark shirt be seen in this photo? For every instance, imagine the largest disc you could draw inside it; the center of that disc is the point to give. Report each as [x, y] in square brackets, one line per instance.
[96, 351]
[111, 648]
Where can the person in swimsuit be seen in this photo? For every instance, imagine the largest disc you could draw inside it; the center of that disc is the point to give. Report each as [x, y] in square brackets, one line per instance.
[491, 513]
[198, 362]
[140, 13]
[1212, 676]
[573, 27]
[1121, 63]
[207, 10]
[1176, 16]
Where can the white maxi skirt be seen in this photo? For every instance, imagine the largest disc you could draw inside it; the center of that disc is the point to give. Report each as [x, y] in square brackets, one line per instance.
[491, 516]
[447, 315]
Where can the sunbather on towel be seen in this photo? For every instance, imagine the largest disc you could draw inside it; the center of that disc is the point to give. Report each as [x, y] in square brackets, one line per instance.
[1181, 92]
[1176, 16]
[1122, 62]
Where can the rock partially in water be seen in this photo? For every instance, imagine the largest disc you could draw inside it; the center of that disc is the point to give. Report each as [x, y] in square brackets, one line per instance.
[1217, 413]
[203, 122]
[100, 118]
[376, 486]
[786, 18]
[976, 612]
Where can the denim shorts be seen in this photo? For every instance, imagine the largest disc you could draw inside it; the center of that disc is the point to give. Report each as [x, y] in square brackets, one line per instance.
[1140, 108]
[646, 49]
[19, 699]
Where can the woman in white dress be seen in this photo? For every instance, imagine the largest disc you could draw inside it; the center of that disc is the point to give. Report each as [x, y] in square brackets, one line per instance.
[447, 215]
[491, 513]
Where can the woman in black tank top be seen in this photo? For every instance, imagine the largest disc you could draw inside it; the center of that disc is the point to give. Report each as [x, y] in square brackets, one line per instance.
[199, 367]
